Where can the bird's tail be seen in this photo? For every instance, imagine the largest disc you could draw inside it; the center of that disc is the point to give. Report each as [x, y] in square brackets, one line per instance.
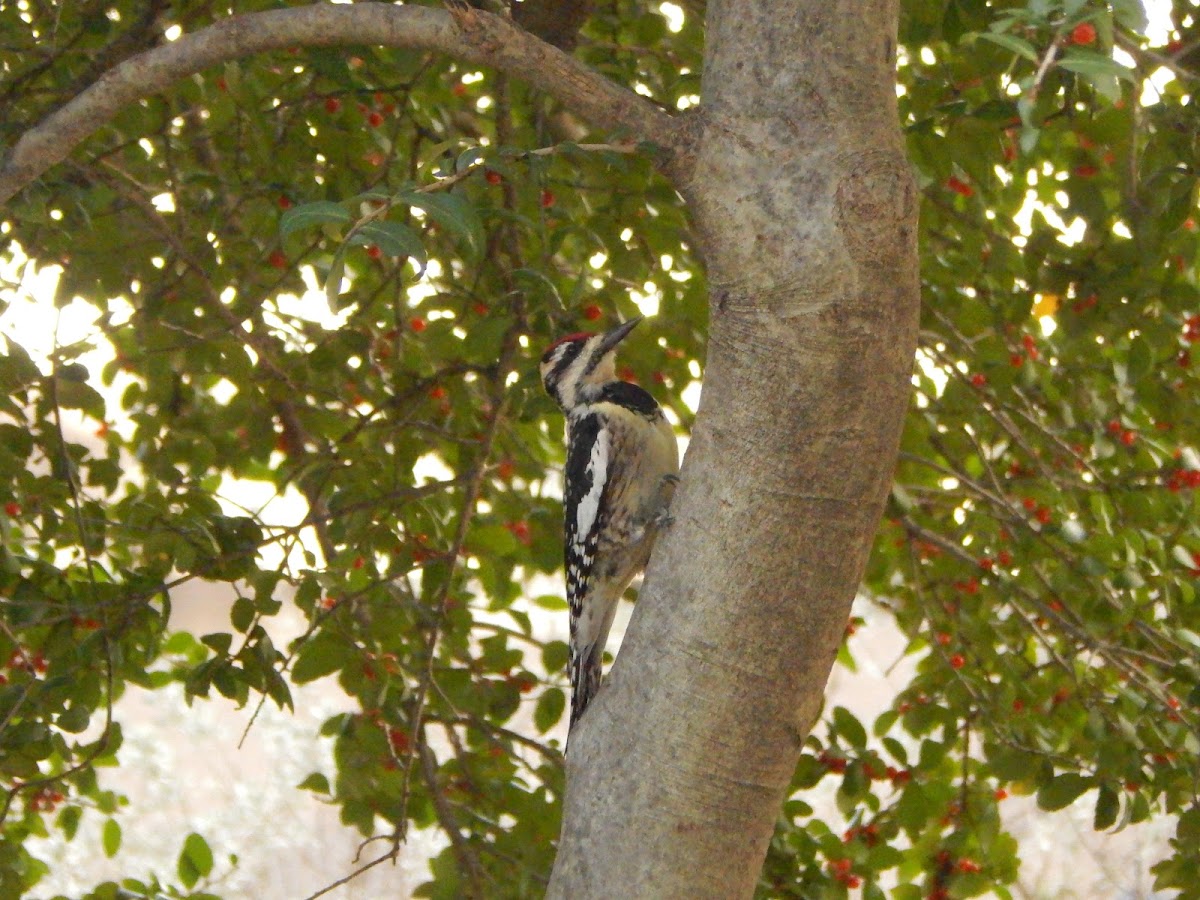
[585, 681]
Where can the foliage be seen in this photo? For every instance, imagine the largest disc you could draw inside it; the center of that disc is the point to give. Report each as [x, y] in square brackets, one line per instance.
[1039, 553]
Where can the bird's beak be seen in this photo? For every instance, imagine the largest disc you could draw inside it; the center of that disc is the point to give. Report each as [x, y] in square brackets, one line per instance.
[614, 337]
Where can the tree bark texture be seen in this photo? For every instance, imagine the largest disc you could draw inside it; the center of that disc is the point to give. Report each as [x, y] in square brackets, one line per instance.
[806, 211]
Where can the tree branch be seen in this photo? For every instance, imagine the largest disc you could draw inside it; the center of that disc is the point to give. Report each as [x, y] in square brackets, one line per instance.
[468, 34]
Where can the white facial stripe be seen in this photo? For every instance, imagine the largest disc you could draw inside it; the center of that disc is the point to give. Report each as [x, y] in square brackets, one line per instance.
[589, 505]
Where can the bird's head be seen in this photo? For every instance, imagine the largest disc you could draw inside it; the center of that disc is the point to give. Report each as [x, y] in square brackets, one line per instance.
[577, 362]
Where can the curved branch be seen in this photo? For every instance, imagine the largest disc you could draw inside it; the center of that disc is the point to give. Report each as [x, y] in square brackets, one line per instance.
[463, 32]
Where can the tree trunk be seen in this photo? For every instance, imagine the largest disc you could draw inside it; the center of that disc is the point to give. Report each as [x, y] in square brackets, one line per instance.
[806, 213]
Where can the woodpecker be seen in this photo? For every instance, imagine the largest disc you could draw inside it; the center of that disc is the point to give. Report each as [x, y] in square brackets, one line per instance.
[622, 461]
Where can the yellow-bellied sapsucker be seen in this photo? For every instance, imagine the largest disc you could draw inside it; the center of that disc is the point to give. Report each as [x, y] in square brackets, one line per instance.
[622, 461]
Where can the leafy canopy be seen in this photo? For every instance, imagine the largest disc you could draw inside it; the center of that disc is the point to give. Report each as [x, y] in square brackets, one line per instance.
[1040, 553]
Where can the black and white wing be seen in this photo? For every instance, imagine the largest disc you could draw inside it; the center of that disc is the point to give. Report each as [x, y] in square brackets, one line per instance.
[589, 449]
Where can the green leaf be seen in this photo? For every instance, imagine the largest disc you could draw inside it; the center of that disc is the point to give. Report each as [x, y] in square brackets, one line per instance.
[452, 213]
[849, 727]
[68, 821]
[1131, 14]
[1108, 804]
[393, 238]
[554, 656]
[1011, 43]
[1101, 71]
[310, 215]
[110, 837]
[470, 157]
[78, 395]
[549, 709]
[242, 614]
[219, 641]
[195, 860]
[320, 656]
[315, 782]
[536, 284]
[333, 282]
[75, 718]
[1140, 360]
[1062, 790]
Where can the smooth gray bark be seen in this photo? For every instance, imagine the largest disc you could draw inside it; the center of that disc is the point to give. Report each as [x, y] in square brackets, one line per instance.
[807, 215]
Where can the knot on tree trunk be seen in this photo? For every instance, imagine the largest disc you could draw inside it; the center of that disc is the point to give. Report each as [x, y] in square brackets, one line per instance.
[873, 200]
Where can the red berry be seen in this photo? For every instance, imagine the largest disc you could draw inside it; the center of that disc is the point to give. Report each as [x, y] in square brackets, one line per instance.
[546, 199]
[417, 324]
[959, 187]
[480, 309]
[438, 393]
[1043, 515]
[1084, 33]
[506, 469]
[222, 84]
[978, 379]
[1001, 794]
[1114, 427]
[1004, 558]
[1086, 170]
[986, 563]
[492, 177]
[284, 202]
[398, 738]
[524, 683]
[520, 530]
[374, 252]
[277, 260]
[1029, 503]
[1128, 437]
[332, 104]
[459, 90]
[957, 661]
[12, 509]
[592, 312]
[943, 638]
[1018, 705]
[1016, 359]
[374, 119]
